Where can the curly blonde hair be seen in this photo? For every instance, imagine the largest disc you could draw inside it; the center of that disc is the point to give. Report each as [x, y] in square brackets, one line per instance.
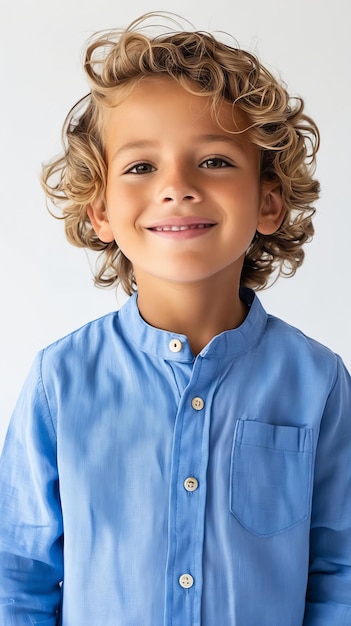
[287, 138]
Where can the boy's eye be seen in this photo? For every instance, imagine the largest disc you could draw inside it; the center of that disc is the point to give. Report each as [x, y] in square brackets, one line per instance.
[215, 163]
[141, 168]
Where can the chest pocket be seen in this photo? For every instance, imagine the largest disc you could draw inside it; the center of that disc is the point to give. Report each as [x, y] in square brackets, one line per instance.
[270, 477]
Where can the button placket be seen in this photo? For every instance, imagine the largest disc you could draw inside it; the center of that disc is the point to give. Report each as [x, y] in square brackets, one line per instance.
[188, 501]
[191, 484]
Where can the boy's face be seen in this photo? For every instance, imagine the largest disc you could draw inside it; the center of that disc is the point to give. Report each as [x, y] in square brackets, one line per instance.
[184, 197]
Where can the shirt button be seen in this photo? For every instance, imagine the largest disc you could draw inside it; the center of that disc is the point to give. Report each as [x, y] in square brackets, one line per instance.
[191, 484]
[197, 404]
[175, 345]
[186, 581]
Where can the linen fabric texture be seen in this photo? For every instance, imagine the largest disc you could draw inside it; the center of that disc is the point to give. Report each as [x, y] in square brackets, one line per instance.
[98, 522]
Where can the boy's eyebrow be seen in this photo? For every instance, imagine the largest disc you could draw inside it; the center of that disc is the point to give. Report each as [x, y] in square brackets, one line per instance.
[141, 143]
[223, 138]
[148, 143]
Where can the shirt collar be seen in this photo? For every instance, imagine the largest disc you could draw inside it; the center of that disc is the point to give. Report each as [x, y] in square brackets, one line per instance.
[175, 346]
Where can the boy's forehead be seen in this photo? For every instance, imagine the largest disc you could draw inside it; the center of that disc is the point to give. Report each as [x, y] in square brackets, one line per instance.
[152, 95]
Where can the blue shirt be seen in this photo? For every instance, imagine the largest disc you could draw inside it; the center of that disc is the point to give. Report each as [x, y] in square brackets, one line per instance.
[168, 490]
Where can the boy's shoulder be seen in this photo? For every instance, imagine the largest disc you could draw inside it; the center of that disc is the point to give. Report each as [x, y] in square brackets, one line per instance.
[284, 330]
[86, 337]
[281, 337]
[297, 346]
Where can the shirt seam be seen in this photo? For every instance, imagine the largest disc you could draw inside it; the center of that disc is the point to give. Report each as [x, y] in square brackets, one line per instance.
[43, 394]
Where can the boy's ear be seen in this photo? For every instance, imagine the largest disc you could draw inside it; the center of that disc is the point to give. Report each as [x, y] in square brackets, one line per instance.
[271, 212]
[97, 214]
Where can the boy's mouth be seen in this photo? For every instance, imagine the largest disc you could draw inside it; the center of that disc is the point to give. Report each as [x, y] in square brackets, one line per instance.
[178, 224]
[174, 228]
[181, 228]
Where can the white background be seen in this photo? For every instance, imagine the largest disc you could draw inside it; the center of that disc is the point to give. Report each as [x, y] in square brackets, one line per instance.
[47, 287]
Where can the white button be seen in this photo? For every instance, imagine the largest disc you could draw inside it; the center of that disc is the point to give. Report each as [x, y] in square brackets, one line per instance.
[175, 345]
[186, 581]
[191, 484]
[197, 404]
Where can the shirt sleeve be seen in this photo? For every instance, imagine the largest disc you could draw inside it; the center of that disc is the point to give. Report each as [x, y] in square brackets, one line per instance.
[31, 560]
[328, 598]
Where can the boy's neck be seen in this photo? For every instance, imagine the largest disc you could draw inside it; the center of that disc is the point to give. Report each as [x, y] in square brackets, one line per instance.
[198, 311]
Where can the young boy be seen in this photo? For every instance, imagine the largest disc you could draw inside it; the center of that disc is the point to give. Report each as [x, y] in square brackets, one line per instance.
[184, 461]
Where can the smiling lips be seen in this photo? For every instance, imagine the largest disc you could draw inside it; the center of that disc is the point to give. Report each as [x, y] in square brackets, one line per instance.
[182, 227]
[179, 228]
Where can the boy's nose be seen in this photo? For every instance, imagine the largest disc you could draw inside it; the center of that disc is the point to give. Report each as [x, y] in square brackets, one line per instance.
[178, 187]
[174, 195]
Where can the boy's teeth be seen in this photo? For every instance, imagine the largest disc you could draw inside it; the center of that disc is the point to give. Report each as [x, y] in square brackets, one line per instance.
[178, 228]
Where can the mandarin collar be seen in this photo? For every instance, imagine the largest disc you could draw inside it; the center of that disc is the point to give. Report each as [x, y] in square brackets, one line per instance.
[176, 347]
